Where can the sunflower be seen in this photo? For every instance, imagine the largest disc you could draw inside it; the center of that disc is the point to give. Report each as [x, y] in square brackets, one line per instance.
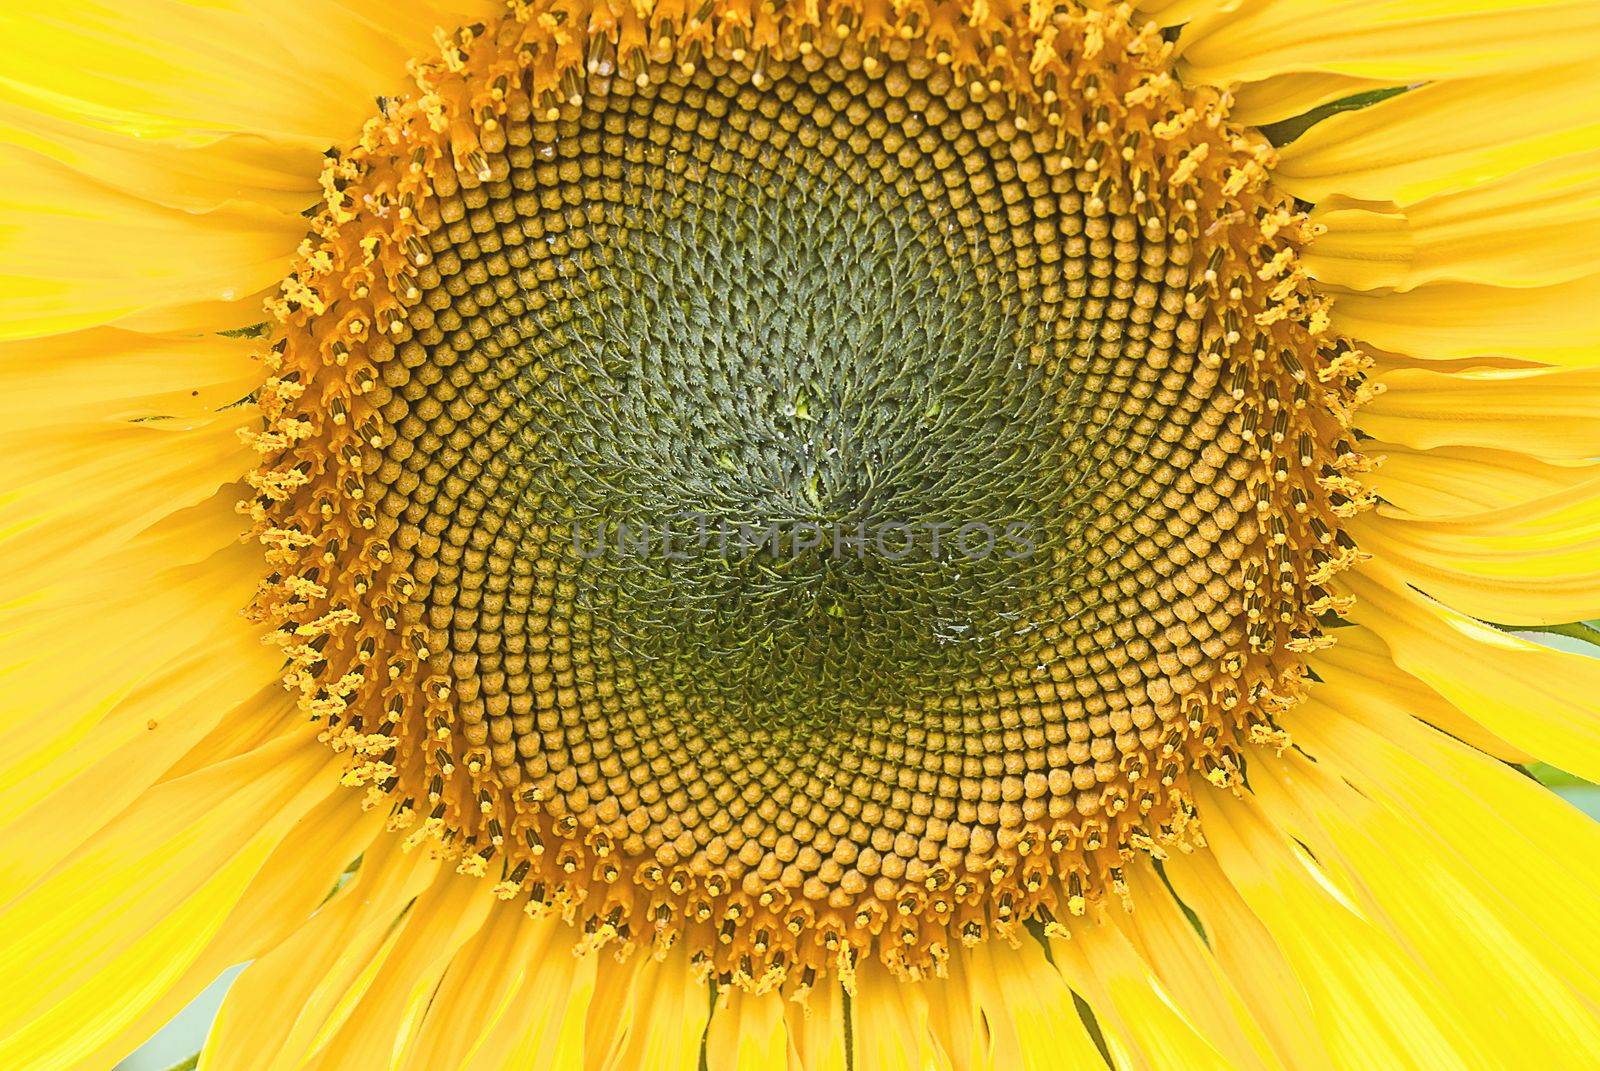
[472, 533]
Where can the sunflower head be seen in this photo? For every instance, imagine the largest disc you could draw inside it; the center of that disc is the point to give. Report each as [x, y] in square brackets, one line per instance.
[803, 272]
[800, 534]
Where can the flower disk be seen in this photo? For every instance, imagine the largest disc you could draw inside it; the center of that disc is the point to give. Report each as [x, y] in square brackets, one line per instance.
[616, 291]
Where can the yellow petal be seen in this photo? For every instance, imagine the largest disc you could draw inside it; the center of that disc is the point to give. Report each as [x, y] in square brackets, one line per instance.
[1451, 481]
[1251, 960]
[290, 886]
[1033, 1022]
[76, 254]
[748, 1032]
[1508, 825]
[1362, 248]
[230, 313]
[817, 1030]
[1285, 96]
[662, 1023]
[1546, 413]
[1374, 1007]
[1496, 988]
[1361, 668]
[1448, 136]
[1536, 227]
[135, 198]
[480, 988]
[1173, 12]
[478, 1018]
[1540, 700]
[110, 664]
[192, 175]
[282, 1001]
[109, 91]
[1130, 1000]
[295, 72]
[616, 1002]
[117, 923]
[84, 787]
[1509, 836]
[547, 1028]
[1448, 321]
[114, 375]
[385, 1020]
[890, 1024]
[1410, 40]
[956, 1017]
[1534, 563]
[85, 491]
[1181, 963]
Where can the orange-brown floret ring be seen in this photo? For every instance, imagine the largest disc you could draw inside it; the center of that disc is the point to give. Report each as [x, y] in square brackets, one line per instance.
[1034, 807]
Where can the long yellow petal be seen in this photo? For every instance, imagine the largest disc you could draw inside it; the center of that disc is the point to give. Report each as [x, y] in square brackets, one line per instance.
[617, 1000]
[1459, 933]
[1451, 481]
[385, 1020]
[956, 1016]
[477, 1017]
[664, 1022]
[1374, 1006]
[1506, 824]
[291, 71]
[1174, 12]
[1442, 137]
[548, 1019]
[120, 921]
[1033, 1023]
[1414, 40]
[87, 677]
[1504, 834]
[1361, 668]
[1186, 969]
[1537, 227]
[1537, 563]
[376, 1014]
[1100, 963]
[312, 971]
[192, 175]
[76, 254]
[748, 1032]
[890, 1020]
[1449, 321]
[1285, 96]
[86, 491]
[1251, 960]
[1540, 700]
[817, 1030]
[114, 375]
[108, 90]
[1546, 413]
[67, 801]
[480, 987]
[291, 884]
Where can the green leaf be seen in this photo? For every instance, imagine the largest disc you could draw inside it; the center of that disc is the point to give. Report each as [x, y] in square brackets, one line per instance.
[1551, 777]
[1578, 630]
[1286, 130]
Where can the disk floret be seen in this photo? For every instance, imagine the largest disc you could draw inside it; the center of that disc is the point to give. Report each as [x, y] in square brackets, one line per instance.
[500, 329]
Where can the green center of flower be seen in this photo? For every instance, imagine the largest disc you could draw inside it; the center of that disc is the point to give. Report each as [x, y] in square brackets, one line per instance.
[796, 449]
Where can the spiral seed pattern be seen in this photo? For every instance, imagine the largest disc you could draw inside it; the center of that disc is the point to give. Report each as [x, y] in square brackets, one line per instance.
[566, 324]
